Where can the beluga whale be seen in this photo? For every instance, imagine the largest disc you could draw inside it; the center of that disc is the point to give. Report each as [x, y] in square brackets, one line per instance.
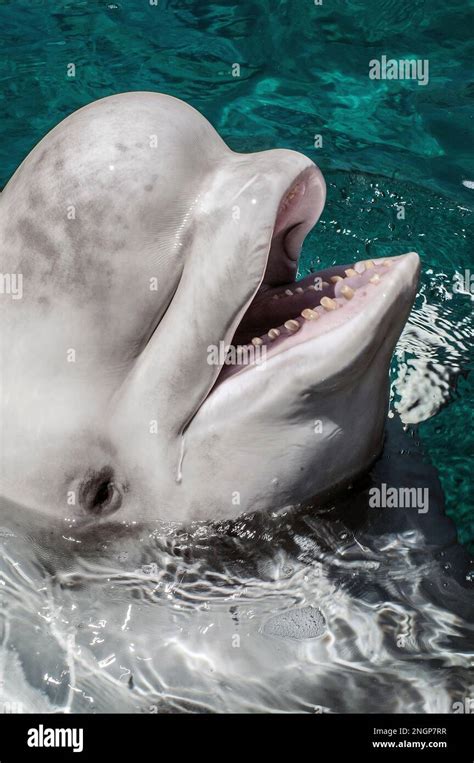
[161, 361]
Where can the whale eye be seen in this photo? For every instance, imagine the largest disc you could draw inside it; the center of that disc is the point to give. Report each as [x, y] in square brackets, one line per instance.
[100, 495]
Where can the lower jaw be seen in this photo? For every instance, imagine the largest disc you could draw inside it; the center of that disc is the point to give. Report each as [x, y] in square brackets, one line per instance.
[278, 314]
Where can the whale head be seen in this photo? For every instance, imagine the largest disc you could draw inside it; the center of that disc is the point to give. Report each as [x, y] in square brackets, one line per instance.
[162, 361]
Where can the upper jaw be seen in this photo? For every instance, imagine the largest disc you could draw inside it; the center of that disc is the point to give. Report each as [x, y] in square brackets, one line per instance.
[298, 211]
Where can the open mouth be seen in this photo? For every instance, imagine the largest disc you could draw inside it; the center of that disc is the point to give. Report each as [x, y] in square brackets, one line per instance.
[286, 311]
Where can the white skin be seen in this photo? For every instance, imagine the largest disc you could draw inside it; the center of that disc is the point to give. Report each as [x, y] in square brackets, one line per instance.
[142, 240]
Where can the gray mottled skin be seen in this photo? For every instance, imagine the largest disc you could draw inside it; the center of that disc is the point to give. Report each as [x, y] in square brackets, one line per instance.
[138, 187]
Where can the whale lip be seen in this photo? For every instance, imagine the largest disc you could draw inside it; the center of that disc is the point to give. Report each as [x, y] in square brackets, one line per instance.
[298, 212]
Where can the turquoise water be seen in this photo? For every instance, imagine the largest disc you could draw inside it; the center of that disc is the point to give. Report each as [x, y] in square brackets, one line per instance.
[303, 72]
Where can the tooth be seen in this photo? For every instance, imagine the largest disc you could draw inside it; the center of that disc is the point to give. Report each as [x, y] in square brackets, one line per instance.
[351, 272]
[292, 325]
[309, 315]
[274, 334]
[276, 296]
[359, 267]
[335, 279]
[288, 292]
[347, 292]
[256, 341]
[313, 288]
[375, 278]
[328, 303]
[324, 284]
[299, 290]
[369, 264]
